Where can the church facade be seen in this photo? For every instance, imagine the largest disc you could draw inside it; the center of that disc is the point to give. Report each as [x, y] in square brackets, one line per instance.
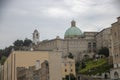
[79, 44]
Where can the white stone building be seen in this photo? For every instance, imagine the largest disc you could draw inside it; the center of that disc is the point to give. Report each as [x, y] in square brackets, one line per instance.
[75, 42]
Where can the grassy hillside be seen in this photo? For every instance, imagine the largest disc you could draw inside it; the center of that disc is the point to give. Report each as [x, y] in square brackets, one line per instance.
[94, 67]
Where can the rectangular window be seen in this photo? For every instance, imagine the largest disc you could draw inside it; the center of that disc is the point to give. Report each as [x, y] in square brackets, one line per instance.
[65, 70]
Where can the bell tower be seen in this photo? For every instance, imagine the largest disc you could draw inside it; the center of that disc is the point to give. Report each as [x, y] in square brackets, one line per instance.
[36, 37]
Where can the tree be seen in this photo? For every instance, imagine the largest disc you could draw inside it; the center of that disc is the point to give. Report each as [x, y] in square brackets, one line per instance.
[27, 42]
[83, 65]
[104, 51]
[70, 55]
[86, 57]
[1, 52]
[77, 66]
[7, 51]
[3, 59]
[18, 43]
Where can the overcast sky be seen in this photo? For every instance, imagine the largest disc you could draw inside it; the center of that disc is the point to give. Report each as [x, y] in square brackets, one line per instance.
[19, 18]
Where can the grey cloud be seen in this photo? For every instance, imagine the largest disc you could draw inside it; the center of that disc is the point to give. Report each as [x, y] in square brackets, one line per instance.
[2, 2]
[21, 17]
[116, 3]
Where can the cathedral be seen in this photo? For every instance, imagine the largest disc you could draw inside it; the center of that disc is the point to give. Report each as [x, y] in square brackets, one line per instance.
[85, 44]
[79, 44]
[55, 53]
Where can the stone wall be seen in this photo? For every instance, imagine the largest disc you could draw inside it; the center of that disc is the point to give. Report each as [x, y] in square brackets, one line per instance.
[103, 38]
[78, 47]
[32, 74]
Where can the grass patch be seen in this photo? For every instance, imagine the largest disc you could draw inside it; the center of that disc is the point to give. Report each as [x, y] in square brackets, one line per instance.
[94, 67]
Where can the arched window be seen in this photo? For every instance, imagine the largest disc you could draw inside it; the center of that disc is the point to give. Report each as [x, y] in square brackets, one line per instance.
[116, 75]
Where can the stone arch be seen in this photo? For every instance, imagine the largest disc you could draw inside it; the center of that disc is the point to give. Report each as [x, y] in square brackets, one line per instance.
[106, 76]
[116, 75]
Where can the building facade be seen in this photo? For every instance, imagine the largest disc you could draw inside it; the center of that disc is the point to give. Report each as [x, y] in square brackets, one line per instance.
[32, 65]
[103, 38]
[75, 42]
[31, 58]
[68, 67]
[115, 72]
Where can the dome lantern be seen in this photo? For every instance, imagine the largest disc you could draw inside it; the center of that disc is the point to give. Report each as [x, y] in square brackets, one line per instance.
[73, 23]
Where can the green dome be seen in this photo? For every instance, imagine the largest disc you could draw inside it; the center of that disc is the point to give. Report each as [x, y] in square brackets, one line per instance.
[73, 31]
